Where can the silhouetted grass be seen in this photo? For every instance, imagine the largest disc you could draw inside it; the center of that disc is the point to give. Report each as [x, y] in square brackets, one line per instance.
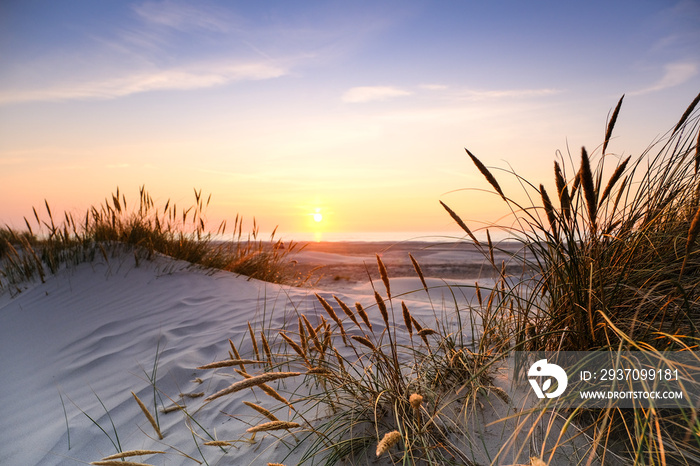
[613, 264]
[147, 230]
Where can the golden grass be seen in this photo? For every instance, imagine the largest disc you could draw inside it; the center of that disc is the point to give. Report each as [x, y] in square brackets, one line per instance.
[363, 314]
[217, 443]
[273, 425]
[119, 463]
[251, 382]
[148, 415]
[145, 230]
[383, 274]
[389, 440]
[261, 410]
[127, 454]
[228, 363]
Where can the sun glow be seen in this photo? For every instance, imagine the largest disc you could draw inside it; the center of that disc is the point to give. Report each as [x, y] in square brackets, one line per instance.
[318, 217]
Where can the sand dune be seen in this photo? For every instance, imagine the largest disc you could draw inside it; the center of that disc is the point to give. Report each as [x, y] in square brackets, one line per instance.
[91, 334]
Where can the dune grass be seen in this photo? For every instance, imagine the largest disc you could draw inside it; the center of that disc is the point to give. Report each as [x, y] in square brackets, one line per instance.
[48, 244]
[374, 383]
[610, 263]
[613, 265]
[619, 249]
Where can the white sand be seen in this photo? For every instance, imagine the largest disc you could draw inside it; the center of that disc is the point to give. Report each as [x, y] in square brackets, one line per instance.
[94, 331]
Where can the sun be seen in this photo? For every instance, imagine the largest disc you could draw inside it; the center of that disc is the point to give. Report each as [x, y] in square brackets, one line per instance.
[318, 217]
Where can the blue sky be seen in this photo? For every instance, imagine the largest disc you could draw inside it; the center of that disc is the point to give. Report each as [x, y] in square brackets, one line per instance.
[357, 110]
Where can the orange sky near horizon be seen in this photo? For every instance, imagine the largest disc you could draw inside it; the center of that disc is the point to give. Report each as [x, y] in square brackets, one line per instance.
[358, 111]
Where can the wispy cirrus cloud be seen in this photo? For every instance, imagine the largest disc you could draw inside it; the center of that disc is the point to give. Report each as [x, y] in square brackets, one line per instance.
[675, 74]
[377, 93]
[506, 93]
[364, 94]
[184, 16]
[433, 87]
[194, 77]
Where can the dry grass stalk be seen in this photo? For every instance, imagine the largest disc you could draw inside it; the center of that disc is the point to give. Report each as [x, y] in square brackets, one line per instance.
[266, 348]
[461, 223]
[319, 371]
[692, 236]
[251, 382]
[416, 400]
[170, 409]
[419, 271]
[389, 440]
[228, 363]
[697, 154]
[424, 333]
[269, 391]
[487, 174]
[127, 454]
[363, 315]
[613, 179]
[272, 393]
[549, 210]
[321, 326]
[364, 341]
[148, 415]
[416, 325]
[302, 336]
[255, 343]
[562, 192]
[586, 177]
[192, 395]
[118, 463]
[217, 443]
[407, 318]
[294, 346]
[273, 425]
[261, 410]
[346, 309]
[313, 334]
[235, 353]
[687, 113]
[384, 276]
[382, 308]
[329, 309]
[340, 361]
[575, 184]
[611, 124]
[275, 464]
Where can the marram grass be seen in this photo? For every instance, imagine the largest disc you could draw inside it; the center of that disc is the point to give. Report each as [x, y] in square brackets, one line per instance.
[147, 229]
[610, 261]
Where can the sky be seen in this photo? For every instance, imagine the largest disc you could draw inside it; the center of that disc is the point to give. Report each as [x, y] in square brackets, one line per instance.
[327, 118]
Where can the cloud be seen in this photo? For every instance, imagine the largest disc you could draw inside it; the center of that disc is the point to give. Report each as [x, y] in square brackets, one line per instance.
[675, 74]
[364, 94]
[433, 87]
[183, 16]
[506, 93]
[168, 79]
